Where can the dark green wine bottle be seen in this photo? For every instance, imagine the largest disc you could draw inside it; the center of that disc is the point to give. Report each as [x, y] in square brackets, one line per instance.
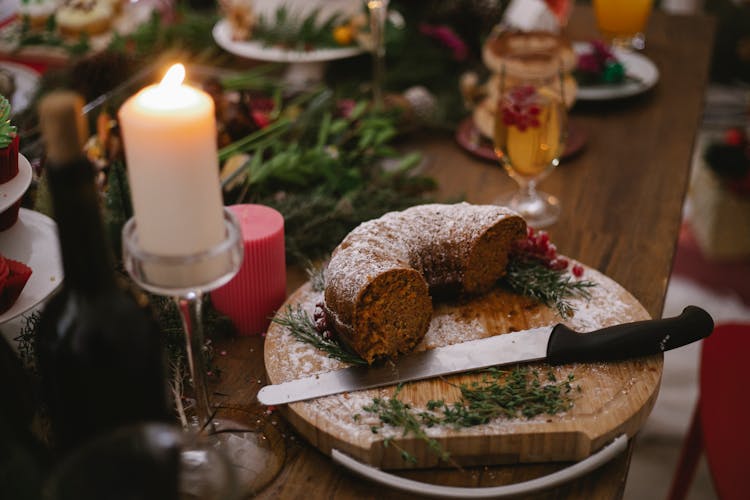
[100, 355]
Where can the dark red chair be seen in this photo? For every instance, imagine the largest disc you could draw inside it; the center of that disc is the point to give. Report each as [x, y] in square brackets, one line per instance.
[721, 422]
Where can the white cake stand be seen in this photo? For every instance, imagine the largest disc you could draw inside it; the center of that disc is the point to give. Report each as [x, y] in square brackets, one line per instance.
[305, 66]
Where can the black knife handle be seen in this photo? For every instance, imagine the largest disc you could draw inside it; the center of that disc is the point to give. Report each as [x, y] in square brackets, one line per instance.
[629, 340]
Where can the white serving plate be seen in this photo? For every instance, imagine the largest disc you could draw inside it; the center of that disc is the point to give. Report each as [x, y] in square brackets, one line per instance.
[222, 33]
[13, 190]
[642, 72]
[26, 80]
[33, 241]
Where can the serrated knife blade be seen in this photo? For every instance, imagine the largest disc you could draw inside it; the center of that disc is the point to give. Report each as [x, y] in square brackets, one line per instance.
[555, 344]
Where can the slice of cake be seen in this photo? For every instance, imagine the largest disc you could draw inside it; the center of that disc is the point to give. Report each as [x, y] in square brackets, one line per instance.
[13, 278]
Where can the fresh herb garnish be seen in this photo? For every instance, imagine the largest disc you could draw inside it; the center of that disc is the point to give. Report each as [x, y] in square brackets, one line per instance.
[291, 30]
[518, 393]
[394, 412]
[551, 287]
[317, 277]
[299, 324]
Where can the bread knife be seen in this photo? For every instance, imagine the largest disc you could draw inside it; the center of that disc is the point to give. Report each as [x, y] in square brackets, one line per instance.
[555, 345]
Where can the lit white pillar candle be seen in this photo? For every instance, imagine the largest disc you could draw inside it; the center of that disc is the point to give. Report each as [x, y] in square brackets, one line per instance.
[169, 133]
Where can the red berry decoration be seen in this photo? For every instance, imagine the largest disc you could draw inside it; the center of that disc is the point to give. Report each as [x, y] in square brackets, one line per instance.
[599, 65]
[734, 137]
[321, 323]
[520, 108]
[538, 247]
[578, 270]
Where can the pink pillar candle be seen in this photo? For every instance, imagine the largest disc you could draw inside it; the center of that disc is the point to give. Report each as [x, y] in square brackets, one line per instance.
[252, 297]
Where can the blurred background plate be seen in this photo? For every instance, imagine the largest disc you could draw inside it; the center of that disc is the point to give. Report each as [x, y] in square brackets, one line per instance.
[26, 80]
[641, 74]
[258, 50]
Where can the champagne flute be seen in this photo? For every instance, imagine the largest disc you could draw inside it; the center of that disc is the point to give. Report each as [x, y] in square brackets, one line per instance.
[529, 134]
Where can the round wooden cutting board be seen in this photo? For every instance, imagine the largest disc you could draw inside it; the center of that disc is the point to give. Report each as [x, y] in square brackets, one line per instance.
[614, 398]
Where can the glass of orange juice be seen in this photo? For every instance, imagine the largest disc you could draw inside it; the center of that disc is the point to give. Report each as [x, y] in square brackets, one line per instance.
[623, 22]
[530, 129]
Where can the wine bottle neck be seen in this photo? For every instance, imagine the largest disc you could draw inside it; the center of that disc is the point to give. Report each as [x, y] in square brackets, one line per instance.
[86, 254]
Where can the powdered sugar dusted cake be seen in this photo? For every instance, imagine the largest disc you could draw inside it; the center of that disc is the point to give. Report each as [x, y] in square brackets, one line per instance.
[379, 280]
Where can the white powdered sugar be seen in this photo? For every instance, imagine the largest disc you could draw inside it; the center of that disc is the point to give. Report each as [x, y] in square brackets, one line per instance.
[405, 239]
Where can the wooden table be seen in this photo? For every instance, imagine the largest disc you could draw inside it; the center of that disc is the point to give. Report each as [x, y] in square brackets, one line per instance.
[621, 212]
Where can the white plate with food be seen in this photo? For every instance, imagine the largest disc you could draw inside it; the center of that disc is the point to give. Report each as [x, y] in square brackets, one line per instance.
[22, 82]
[13, 190]
[641, 74]
[32, 240]
[253, 49]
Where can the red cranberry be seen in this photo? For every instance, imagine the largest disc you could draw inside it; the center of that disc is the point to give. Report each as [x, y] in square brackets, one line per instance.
[558, 264]
[578, 270]
[734, 137]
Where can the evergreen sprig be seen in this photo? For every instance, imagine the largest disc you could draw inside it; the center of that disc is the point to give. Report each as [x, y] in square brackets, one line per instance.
[551, 287]
[394, 412]
[155, 37]
[317, 277]
[323, 170]
[518, 393]
[292, 30]
[299, 324]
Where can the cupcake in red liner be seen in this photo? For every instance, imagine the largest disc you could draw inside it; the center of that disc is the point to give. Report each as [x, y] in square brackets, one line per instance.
[4, 272]
[8, 161]
[17, 275]
[8, 144]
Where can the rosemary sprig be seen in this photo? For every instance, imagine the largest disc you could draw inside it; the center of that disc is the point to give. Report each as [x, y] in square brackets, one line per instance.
[300, 326]
[551, 287]
[317, 276]
[394, 412]
[519, 393]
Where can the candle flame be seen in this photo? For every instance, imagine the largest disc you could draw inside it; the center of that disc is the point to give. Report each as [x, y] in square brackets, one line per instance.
[174, 77]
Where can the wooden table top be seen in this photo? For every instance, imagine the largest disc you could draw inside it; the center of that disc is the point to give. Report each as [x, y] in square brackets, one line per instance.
[621, 211]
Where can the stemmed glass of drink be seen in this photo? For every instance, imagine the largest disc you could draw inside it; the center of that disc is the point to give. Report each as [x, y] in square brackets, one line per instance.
[623, 22]
[530, 129]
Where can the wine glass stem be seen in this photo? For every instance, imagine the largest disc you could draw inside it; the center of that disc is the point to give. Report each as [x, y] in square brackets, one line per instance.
[190, 307]
[377, 29]
[527, 190]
